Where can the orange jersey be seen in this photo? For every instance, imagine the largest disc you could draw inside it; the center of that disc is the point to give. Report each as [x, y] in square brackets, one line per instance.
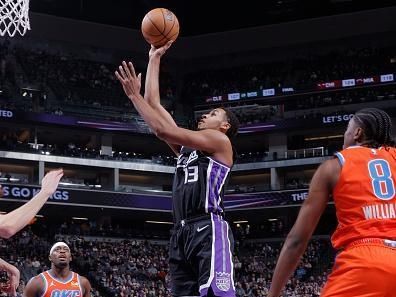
[57, 288]
[364, 195]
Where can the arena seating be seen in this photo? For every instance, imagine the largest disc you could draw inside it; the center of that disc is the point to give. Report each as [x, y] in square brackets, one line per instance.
[139, 267]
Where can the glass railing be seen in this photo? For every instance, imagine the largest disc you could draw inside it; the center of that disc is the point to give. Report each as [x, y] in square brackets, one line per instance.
[253, 157]
[306, 153]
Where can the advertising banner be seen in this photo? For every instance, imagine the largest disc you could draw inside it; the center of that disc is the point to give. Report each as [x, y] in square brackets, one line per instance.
[77, 197]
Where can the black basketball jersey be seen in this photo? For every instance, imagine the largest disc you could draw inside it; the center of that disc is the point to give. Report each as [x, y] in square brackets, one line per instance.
[198, 185]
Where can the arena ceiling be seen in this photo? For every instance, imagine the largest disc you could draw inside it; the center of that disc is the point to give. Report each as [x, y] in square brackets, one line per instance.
[202, 17]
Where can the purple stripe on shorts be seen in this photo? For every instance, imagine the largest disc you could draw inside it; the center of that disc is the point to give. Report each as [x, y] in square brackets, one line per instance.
[222, 283]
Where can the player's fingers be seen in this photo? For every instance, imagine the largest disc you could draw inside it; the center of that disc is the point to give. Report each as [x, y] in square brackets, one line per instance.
[132, 69]
[126, 68]
[168, 44]
[119, 77]
[140, 78]
[57, 171]
[59, 176]
[122, 72]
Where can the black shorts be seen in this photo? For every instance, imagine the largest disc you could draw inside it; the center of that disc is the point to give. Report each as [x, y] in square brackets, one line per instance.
[200, 258]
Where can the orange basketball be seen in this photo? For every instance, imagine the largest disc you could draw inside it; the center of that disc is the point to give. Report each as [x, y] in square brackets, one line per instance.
[159, 26]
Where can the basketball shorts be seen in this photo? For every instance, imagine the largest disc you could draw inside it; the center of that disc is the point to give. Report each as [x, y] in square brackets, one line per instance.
[200, 258]
[366, 268]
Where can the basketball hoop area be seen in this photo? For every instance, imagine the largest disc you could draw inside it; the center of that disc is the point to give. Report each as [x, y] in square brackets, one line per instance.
[14, 17]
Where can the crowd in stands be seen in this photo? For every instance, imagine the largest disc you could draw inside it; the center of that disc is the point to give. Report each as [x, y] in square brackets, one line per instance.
[341, 98]
[300, 73]
[309, 106]
[81, 81]
[256, 262]
[134, 267]
[7, 81]
[66, 84]
[128, 268]
[266, 229]
[63, 82]
[108, 229]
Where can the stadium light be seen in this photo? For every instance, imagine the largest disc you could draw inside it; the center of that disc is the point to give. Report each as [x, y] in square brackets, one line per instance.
[78, 218]
[324, 137]
[159, 222]
[240, 222]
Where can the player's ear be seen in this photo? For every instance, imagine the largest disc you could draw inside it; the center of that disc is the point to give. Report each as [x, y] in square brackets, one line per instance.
[225, 126]
[359, 134]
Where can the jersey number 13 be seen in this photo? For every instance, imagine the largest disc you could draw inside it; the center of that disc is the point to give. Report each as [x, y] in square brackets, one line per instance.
[190, 174]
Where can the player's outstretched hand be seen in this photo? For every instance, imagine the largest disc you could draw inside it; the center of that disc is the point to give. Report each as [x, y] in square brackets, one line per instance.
[128, 79]
[51, 181]
[159, 52]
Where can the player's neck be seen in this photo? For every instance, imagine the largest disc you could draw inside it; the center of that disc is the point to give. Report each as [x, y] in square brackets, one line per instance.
[60, 273]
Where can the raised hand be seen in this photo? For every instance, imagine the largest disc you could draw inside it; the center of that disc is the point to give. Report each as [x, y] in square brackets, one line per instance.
[50, 181]
[14, 277]
[159, 52]
[128, 79]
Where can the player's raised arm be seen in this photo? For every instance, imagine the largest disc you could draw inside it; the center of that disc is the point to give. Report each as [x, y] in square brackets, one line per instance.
[152, 92]
[211, 137]
[14, 221]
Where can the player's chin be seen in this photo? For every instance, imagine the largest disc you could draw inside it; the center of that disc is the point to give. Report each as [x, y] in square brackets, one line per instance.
[63, 261]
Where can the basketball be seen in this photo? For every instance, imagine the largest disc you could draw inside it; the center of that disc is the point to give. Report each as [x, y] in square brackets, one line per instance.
[159, 26]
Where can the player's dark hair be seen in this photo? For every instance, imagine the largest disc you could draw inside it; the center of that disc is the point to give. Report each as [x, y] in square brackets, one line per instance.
[377, 127]
[233, 121]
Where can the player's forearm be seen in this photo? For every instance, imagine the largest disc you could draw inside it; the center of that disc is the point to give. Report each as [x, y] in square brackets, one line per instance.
[152, 93]
[14, 221]
[6, 266]
[152, 118]
[287, 263]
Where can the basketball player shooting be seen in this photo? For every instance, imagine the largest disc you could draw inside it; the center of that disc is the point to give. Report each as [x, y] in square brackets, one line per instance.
[200, 254]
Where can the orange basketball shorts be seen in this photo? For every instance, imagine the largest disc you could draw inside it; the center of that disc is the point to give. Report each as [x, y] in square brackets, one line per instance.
[366, 268]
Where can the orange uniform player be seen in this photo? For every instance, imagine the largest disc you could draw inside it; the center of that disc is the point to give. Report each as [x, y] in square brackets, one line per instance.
[55, 287]
[59, 281]
[362, 182]
[364, 195]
